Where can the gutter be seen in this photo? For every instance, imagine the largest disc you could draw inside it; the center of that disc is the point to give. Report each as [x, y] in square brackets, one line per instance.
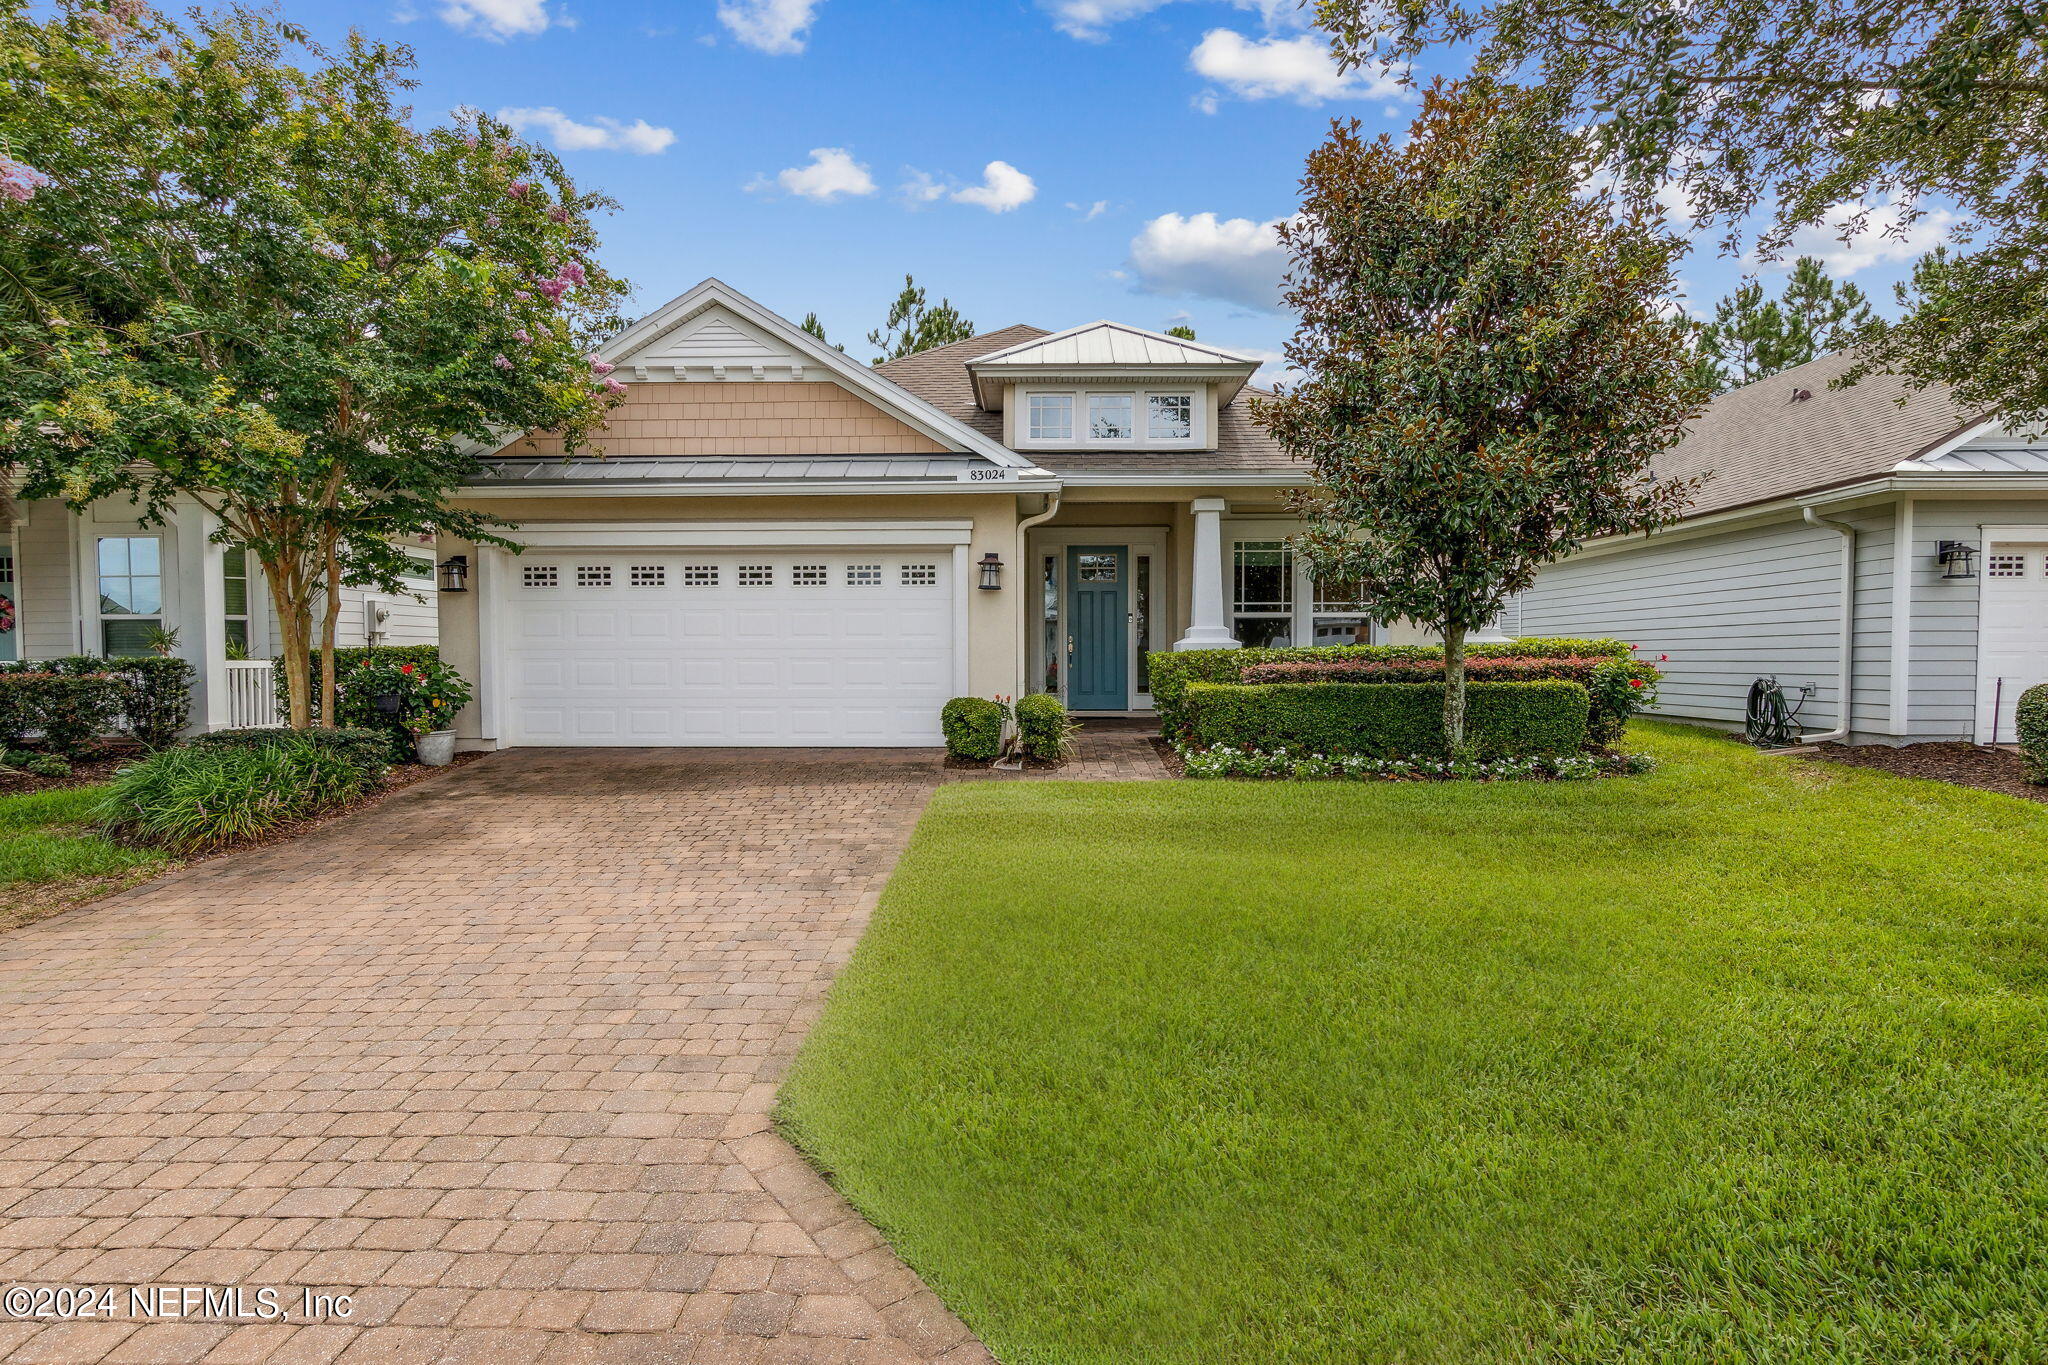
[1052, 507]
[1845, 685]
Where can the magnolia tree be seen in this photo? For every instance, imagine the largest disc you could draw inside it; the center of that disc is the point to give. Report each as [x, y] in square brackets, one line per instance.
[262, 287]
[1488, 362]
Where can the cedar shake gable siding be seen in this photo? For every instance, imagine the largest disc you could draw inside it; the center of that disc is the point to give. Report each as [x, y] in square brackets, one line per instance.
[740, 418]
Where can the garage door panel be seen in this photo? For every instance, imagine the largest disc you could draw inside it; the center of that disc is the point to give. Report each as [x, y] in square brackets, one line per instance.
[2012, 636]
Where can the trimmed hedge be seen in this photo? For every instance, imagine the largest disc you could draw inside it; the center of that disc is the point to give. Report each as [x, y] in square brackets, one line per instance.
[198, 796]
[1043, 728]
[1618, 687]
[973, 727]
[68, 710]
[2032, 716]
[1387, 720]
[153, 694]
[1172, 671]
[368, 750]
[357, 707]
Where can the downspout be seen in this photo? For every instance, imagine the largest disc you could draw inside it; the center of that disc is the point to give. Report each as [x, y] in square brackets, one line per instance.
[1052, 506]
[1847, 682]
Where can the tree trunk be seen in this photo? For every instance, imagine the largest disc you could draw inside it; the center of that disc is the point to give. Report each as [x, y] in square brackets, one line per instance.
[294, 624]
[330, 613]
[1454, 691]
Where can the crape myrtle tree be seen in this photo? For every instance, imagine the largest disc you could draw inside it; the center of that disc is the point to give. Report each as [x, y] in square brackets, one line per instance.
[1489, 360]
[1766, 118]
[259, 285]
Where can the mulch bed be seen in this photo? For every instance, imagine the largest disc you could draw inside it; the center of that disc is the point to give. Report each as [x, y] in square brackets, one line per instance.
[395, 781]
[1965, 765]
[100, 764]
[1169, 755]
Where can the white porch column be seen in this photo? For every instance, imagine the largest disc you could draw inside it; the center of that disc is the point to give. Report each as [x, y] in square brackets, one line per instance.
[202, 614]
[1207, 627]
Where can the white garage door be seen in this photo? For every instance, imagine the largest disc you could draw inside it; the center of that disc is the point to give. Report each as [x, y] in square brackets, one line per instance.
[2012, 634]
[751, 647]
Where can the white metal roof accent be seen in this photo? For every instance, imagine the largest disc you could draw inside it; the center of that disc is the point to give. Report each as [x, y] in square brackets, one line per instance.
[1981, 460]
[1107, 343]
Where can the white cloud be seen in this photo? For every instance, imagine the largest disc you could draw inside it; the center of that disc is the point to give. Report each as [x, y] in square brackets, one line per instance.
[1300, 69]
[920, 189]
[832, 174]
[498, 19]
[773, 26]
[1234, 259]
[1883, 238]
[1090, 212]
[607, 134]
[1273, 368]
[1003, 187]
[1090, 20]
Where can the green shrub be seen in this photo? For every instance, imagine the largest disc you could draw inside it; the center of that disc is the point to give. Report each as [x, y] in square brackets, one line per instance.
[2032, 716]
[153, 694]
[202, 796]
[1043, 728]
[35, 764]
[368, 750]
[1387, 720]
[1171, 671]
[1618, 687]
[973, 728]
[360, 674]
[68, 710]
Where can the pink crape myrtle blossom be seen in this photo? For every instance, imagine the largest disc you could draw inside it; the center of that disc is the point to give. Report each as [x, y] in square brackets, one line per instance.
[517, 189]
[600, 368]
[614, 387]
[572, 272]
[522, 336]
[554, 289]
[501, 362]
[19, 181]
[558, 215]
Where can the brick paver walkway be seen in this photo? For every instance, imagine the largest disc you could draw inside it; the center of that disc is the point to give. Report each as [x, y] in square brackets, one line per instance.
[495, 1058]
[1118, 749]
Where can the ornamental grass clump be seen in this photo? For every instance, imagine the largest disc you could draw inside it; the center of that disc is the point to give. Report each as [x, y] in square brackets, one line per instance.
[196, 798]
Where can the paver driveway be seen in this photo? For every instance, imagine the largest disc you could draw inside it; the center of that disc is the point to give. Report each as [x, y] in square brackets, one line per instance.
[496, 1058]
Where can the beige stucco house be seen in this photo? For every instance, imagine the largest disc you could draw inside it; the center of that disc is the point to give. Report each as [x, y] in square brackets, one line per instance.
[779, 545]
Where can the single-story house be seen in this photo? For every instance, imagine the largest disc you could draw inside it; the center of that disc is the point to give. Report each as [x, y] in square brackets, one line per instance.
[1878, 550]
[101, 582]
[780, 545]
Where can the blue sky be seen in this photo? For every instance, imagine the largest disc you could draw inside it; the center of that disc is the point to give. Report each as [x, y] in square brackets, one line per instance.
[1044, 161]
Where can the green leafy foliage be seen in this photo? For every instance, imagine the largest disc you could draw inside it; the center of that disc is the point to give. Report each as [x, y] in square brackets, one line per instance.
[1847, 116]
[1387, 720]
[914, 325]
[973, 727]
[1172, 670]
[248, 276]
[1752, 337]
[198, 797]
[414, 674]
[369, 751]
[2032, 718]
[67, 710]
[34, 764]
[154, 694]
[1488, 364]
[1044, 730]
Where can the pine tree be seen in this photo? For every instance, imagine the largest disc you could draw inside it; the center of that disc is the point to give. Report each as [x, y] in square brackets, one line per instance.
[817, 329]
[1752, 337]
[1181, 330]
[915, 326]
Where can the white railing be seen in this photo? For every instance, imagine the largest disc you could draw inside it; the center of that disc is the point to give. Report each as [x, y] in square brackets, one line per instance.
[252, 694]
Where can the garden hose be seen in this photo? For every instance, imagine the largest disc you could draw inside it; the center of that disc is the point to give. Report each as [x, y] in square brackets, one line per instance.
[1768, 720]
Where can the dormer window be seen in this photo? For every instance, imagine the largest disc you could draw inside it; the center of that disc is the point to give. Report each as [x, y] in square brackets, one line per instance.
[1170, 416]
[1109, 416]
[1079, 418]
[1052, 416]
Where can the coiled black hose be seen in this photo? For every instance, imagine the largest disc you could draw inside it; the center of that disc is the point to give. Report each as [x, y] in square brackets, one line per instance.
[1769, 721]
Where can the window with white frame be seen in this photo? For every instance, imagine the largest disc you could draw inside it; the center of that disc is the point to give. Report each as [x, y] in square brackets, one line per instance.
[234, 573]
[1050, 416]
[1277, 601]
[1141, 418]
[131, 582]
[1341, 616]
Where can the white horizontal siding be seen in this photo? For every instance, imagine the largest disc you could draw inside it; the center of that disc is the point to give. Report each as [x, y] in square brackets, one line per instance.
[1944, 617]
[44, 579]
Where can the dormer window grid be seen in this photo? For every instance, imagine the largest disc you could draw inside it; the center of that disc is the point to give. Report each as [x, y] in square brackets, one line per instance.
[1141, 418]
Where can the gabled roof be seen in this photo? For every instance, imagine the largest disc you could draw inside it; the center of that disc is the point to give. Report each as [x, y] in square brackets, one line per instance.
[940, 376]
[865, 380]
[1791, 434]
[1102, 348]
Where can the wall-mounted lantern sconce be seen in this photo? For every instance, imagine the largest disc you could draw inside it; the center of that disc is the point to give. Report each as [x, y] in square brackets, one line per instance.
[1958, 561]
[991, 571]
[455, 573]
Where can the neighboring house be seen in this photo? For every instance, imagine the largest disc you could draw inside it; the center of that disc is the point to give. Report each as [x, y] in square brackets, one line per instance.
[1874, 542]
[782, 546]
[101, 582]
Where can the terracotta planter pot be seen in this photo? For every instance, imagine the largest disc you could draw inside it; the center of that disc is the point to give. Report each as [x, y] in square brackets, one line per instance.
[436, 748]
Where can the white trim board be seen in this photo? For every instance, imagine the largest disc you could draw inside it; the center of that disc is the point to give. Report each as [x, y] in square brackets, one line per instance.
[738, 535]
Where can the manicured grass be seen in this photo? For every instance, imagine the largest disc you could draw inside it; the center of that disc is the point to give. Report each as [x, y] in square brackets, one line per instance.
[1746, 1060]
[51, 858]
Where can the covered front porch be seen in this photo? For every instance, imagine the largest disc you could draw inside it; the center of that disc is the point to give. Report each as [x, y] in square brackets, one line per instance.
[1113, 574]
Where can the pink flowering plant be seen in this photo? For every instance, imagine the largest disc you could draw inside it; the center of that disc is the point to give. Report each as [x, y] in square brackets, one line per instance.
[242, 271]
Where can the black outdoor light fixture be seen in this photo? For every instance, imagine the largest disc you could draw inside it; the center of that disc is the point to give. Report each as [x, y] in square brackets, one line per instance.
[1958, 561]
[455, 573]
[991, 571]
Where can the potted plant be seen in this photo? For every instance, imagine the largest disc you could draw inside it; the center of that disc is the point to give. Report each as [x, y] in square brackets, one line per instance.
[433, 747]
[420, 698]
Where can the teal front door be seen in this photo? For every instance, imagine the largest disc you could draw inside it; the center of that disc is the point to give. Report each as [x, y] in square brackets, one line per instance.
[1098, 628]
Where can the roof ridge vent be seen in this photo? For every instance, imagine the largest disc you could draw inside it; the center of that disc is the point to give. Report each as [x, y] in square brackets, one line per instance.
[1801, 395]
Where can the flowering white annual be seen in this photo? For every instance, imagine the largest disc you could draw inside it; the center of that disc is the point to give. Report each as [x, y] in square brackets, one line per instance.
[1228, 761]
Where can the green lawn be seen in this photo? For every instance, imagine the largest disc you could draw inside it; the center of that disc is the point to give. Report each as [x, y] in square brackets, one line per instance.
[1746, 1060]
[50, 858]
